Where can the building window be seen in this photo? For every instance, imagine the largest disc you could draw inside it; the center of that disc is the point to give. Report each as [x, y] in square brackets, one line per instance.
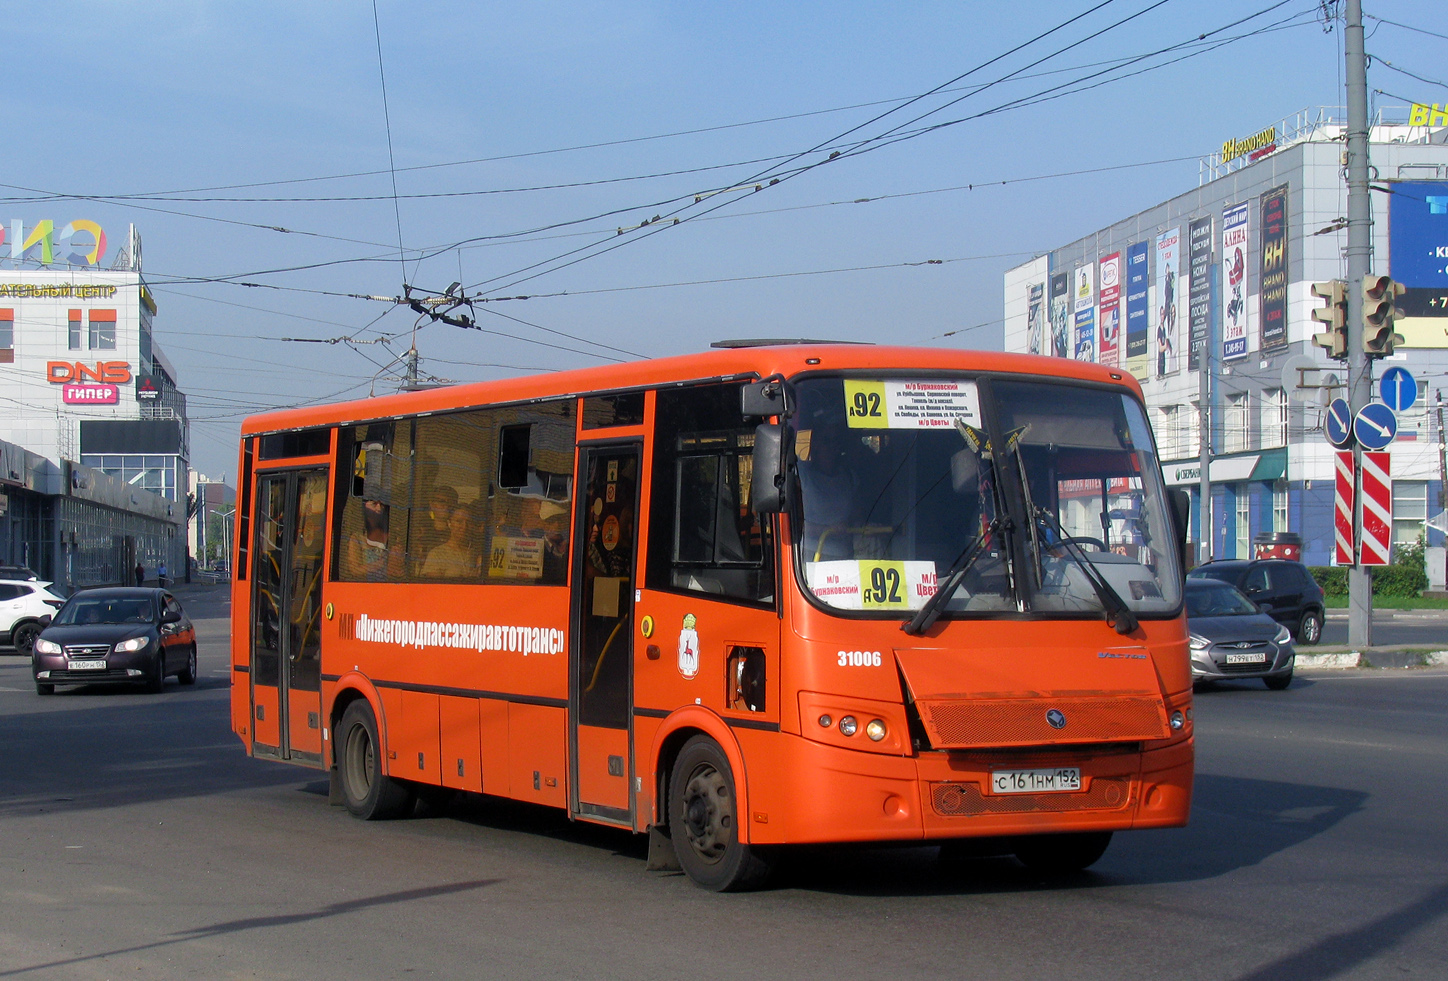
[103, 330]
[7, 330]
[1410, 510]
[76, 339]
[1169, 433]
[1244, 522]
[1274, 417]
[1279, 507]
[1235, 435]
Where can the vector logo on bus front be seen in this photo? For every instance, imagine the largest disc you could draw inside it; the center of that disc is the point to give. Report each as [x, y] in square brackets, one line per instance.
[1056, 719]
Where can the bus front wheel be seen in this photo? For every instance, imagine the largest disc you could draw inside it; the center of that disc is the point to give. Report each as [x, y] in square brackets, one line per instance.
[369, 793]
[704, 821]
[1062, 853]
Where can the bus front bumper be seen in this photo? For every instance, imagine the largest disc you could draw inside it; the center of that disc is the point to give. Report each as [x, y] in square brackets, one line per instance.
[830, 794]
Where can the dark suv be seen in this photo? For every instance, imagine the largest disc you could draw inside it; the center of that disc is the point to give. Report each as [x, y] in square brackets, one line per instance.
[1287, 587]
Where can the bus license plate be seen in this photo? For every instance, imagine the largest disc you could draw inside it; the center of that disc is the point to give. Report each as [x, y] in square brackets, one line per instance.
[1258, 658]
[87, 665]
[1035, 781]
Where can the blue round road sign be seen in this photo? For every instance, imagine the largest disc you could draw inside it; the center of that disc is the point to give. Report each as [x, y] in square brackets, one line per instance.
[1338, 424]
[1375, 426]
[1399, 389]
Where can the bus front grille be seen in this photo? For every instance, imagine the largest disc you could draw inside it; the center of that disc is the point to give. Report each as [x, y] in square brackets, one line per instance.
[964, 723]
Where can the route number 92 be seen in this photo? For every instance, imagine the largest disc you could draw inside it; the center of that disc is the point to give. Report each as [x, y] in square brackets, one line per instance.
[859, 659]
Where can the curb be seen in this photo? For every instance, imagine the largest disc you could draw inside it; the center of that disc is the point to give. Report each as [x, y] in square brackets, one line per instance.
[1374, 659]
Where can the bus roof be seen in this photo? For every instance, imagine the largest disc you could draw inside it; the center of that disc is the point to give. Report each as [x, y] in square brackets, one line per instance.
[764, 360]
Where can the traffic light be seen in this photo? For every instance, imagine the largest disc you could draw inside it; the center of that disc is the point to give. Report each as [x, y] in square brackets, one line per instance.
[1380, 309]
[1333, 316]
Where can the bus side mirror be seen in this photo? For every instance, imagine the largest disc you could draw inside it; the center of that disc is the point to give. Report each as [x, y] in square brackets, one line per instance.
[764, 398]
[769, 468]
[1181, 513]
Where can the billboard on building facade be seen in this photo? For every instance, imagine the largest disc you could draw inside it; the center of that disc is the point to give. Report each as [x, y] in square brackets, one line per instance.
[1168, 329]
[1084, 301]
[1110, 330]
[1272, 288]
[1138, 328]
[1035, 318]
[1418, 258]
[1236, 222]
[1060, 315]
[1199, 307]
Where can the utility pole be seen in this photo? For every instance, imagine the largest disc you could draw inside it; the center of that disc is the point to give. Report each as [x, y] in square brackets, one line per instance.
[1205, 358]
[1359, 265]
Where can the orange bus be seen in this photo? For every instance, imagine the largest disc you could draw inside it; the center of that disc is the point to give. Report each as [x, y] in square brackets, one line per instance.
[769, 594]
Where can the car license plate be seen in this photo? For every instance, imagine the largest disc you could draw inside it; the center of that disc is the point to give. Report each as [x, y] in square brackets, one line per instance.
[88, 665]
[1257, 658]
[1035, 781]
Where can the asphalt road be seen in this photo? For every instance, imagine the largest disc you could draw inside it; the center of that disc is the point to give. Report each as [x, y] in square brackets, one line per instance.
[137, 841]
[1420, 628]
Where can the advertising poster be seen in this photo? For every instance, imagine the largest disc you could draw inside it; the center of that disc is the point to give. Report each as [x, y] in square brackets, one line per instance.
[1418, 258]
[1272, 319]
[1168, 330]
[1199, 306]
[1035, 318]
[1110, 332]
[1060, 315]
[1084, 297]
[1138, 278]
[1235, 222]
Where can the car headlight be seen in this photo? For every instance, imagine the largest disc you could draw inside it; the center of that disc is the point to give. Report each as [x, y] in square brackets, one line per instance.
[43, 646]
[1283, 635]
[1198, 642]
[134, 644]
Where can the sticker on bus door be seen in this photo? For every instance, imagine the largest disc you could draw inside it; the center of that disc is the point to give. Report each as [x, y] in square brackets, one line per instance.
[923, 404]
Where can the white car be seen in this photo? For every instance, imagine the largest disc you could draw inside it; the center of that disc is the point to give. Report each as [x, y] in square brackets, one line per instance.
[25, 609]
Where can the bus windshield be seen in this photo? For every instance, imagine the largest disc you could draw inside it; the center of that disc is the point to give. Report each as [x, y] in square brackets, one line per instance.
[1022, 495]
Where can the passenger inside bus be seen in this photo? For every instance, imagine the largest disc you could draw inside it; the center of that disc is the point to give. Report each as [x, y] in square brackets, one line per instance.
[456, 557]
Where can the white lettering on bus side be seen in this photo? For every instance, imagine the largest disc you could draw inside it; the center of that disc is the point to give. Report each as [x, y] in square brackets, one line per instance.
[478, 637]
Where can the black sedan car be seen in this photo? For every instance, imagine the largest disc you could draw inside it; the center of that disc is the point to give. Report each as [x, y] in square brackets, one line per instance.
[1232, 638]
[116, 636]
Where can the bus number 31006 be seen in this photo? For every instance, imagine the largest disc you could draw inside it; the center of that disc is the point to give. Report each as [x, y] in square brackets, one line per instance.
[859, 659]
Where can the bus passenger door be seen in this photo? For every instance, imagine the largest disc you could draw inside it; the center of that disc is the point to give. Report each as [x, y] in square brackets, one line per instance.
[286, 689]
[601, 656]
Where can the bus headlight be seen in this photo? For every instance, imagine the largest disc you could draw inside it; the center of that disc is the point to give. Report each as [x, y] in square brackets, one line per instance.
[826, 721]
[1177, 721]
[875, 730]
[848, 725]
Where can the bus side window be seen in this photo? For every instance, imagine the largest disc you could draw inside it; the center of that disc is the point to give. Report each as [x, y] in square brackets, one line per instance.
[703, 535]
[372, 525]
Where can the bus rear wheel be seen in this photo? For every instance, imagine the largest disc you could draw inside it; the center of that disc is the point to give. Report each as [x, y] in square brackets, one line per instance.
[1062, 853]
[704, 821]
[369, 793]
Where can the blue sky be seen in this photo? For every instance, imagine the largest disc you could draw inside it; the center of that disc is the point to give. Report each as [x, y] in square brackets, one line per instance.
[127, 98]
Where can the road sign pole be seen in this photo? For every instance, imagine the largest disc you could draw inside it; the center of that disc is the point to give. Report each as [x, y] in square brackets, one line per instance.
[1359, 264]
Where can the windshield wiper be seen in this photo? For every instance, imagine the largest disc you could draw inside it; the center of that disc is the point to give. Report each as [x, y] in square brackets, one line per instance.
[932, 608]
[1118, 614]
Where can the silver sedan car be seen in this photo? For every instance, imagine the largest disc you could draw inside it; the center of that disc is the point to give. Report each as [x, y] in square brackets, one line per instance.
[1231, 637]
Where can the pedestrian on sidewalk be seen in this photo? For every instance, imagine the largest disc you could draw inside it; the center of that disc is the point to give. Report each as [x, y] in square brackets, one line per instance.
[161, 575]
[140, 573]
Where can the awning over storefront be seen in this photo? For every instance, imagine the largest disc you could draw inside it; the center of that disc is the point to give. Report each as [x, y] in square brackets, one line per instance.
[1268, 465]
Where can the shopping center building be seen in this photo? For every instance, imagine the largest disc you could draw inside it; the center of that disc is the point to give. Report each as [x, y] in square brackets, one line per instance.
[1218, 279]
[93, 433]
